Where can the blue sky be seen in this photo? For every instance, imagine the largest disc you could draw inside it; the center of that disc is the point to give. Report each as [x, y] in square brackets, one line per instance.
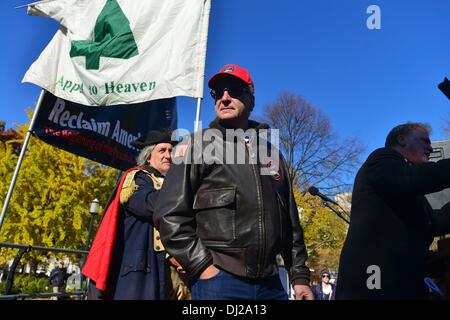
[365, 81]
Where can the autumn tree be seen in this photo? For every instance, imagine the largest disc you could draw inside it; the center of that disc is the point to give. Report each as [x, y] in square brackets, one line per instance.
[316, 156]
[50, 203]
[9, 138]
[324, 232]
[314, 153]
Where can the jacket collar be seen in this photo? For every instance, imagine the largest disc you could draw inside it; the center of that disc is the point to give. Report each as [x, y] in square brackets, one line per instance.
[154, 171]
[217, 124]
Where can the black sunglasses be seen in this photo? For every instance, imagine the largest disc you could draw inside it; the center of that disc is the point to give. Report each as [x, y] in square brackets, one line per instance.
[325, 276]
[234, 92]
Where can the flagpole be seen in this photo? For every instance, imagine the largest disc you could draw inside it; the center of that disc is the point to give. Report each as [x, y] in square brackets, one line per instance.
[197, 117]
[33, 3]
[21, 156]
[202, 59]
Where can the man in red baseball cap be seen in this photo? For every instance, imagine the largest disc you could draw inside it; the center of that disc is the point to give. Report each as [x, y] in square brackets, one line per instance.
[232, 89]
[226, 222]
[231, 70]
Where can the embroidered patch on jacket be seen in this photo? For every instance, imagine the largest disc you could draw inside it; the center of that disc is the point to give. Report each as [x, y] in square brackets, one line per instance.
[273, 169]
[180, 150]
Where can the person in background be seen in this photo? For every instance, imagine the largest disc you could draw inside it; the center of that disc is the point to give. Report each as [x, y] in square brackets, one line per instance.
[325, 289]
[136, 266]
[392, 223]
[57, 279]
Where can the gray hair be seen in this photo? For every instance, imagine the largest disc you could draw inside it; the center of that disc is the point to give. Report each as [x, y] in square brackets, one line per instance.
[405, 129]
[144, 155]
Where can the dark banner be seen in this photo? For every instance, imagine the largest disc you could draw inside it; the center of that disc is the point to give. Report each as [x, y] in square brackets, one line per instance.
[102, 134]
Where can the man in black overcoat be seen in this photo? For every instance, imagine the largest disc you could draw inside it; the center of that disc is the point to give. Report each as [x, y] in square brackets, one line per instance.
[392, 224]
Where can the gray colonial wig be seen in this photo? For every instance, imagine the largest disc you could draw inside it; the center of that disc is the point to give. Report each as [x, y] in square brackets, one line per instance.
[144, 155]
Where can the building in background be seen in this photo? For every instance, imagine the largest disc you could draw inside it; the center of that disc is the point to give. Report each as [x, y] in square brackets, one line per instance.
[441, 150]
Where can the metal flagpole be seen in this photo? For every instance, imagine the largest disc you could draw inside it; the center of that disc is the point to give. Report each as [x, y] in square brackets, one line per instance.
[33, 3]
[21, 156]
[204, 40]
[197, 117]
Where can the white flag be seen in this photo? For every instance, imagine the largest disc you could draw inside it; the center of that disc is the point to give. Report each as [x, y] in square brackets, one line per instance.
[110, 52]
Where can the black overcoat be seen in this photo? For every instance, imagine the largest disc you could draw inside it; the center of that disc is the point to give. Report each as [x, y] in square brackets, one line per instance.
[392, 225]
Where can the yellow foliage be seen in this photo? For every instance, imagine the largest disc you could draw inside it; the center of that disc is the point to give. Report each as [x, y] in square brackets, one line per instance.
[50, 203]
[324, 232]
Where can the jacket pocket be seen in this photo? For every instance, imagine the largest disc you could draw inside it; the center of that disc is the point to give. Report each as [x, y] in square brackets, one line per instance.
[215, 214]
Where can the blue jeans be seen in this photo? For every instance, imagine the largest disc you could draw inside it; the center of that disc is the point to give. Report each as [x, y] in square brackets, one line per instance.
[227, 286]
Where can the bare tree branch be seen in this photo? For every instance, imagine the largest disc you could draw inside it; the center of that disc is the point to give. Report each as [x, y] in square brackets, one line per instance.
[447, 130]
[314, 153]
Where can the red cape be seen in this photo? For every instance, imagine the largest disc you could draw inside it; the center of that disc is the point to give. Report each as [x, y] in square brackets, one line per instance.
[98, 262]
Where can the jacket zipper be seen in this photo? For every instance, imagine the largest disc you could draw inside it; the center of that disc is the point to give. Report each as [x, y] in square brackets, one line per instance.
[281, 216]
[261, 244]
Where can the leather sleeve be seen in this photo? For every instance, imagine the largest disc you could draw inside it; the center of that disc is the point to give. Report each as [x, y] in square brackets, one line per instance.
[298, 271]
[174, 217]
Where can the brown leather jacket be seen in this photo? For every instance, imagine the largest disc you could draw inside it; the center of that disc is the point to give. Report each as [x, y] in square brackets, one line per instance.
[231, 215]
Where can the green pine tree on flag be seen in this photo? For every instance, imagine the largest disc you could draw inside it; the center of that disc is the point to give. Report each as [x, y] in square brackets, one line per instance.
[113, 38]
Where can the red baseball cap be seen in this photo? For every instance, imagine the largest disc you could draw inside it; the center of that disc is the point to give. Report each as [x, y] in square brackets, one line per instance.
[231, 70]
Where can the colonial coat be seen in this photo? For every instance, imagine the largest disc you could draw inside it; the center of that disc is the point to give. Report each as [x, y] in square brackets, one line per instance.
[136, 269]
